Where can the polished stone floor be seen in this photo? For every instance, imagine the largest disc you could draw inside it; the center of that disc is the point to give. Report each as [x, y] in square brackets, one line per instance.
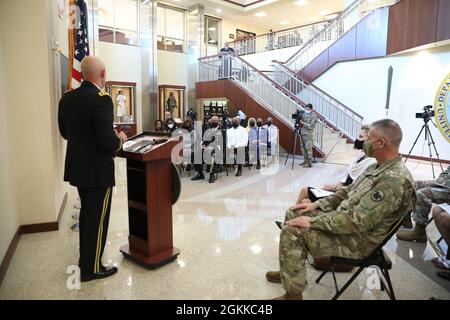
[227, 238]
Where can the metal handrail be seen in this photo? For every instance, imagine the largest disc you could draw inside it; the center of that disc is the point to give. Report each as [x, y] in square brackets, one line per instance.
[263, 89]
[278, 40]
[351, 16]
[339, 115]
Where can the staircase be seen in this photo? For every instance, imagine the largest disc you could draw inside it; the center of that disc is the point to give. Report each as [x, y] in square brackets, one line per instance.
[351, 16]
[284, 91]
[275, 98]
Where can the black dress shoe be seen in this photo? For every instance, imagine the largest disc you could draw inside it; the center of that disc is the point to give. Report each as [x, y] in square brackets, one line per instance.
[212, 179]
[239, 173]
[258, 166]
[199, 176]
[103, 273]
[444, 275]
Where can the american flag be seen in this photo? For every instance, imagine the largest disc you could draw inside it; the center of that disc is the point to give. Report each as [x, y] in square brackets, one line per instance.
[78, 41]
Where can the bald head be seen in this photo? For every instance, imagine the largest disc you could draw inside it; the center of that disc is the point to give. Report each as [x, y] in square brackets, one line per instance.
[388, 130]
[93, 70]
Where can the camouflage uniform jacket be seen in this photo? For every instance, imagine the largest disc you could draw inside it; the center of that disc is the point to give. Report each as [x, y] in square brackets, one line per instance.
[362, 214]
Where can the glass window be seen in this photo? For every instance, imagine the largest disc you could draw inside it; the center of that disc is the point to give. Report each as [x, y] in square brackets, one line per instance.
[171, 29]
[119, 21]
[212, 35]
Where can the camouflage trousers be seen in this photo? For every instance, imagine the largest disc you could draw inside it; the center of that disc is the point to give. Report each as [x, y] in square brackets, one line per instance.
[426, 196]
[296, 243]
[307, 142]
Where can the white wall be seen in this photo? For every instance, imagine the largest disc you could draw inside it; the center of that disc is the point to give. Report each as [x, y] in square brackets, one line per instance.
[9, 217]
[362, 86]
[263, 60]
[123, 63]
[172, 68]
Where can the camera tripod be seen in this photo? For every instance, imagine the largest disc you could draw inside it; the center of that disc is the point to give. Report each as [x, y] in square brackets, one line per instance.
[296, 134]
[430, 141]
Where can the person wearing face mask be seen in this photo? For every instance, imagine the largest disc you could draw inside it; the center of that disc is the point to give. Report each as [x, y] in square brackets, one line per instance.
[258, 142]
[237, 140]
[170, 126]
[212, 143]
[251, 127]
[272, 136]
[308, 124]
[352, 222]
[359, 165]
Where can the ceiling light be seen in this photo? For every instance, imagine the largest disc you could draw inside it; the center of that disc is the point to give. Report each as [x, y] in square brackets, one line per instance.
[284, 22]
[261, 14]
[212, 29]
[177, 0]
[301, 2]
[324, 13]
[219, 10]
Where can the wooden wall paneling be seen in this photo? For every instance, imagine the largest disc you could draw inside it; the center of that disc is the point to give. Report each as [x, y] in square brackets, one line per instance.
[318, 66]
[422, 22]
[218, 88]
[202, 90]
[397, 27]
[443, 22]
[343, 49]
[371, 35]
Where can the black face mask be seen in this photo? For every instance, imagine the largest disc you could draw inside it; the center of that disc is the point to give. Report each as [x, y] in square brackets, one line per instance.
[359, 144]
[235, 125]
[259, 124]
[214, 125]
[252, 124]
[269, 124]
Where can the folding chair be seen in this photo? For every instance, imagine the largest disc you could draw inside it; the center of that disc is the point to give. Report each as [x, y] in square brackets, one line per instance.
[378, 258]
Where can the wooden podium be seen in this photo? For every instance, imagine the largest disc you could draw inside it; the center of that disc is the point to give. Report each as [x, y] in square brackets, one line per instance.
[150, 199]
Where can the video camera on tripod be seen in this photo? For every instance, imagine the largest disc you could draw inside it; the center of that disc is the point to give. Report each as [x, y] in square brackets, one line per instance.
[298, 116]
[426, 114]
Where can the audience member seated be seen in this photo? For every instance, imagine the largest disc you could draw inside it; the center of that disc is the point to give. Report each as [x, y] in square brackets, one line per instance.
[237, 140]
[428, 192]
[170, 126]
[352, 222]
[159, 126]
[272, 136]
[258, 142]
[359, 165]
[211, 143]
[441, 218]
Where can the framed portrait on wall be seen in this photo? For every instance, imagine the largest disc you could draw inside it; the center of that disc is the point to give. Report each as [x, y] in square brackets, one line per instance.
[123, 95]
[171, 99]
[243, 35]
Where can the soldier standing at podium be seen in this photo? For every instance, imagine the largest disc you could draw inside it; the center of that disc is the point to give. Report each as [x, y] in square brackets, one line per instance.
[85, 120]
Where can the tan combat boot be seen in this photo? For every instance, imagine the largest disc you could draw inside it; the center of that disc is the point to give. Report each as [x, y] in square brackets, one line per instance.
[273, 276]
[417, 234]
[307, 164]
[288, 296]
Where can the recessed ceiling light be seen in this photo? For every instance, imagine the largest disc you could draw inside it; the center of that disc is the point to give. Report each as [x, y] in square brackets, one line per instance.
[212, 29]
[284, 22]
[324, 13]
[261, 14]
[177, 0]
[219, 10]
[301, 2]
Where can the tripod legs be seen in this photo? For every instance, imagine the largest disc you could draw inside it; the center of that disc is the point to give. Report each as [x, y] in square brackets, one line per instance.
[296, 135]
[430, 141]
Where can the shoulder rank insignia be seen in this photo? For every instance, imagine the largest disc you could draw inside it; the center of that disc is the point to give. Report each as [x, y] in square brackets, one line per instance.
[103, 93]
[378, 196]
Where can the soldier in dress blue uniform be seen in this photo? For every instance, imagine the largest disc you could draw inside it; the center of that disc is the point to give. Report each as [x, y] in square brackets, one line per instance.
[85, 120]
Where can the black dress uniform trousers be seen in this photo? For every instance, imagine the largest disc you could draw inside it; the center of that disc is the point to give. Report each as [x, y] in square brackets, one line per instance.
[94, 221]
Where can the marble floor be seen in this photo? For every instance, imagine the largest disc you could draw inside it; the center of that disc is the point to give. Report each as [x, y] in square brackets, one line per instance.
[227, 238]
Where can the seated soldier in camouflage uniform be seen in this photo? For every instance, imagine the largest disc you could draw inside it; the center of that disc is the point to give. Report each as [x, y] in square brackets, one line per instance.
[428, 192]
[352, 222]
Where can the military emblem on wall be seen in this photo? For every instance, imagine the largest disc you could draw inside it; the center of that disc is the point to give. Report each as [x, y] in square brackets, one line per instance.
[442, 108]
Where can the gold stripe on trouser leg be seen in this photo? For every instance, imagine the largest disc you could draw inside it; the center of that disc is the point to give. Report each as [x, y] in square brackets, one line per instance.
[100, 231]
